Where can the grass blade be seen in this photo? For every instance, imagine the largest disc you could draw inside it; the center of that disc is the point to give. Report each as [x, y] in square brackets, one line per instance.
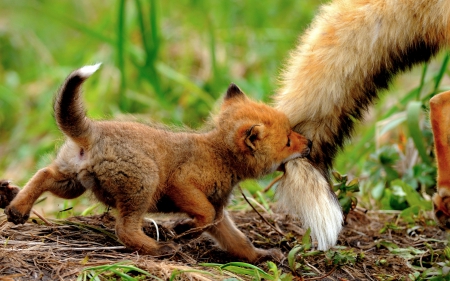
[413, 121]
[440, 75]
[120, 49]
[422, 80]
[186, 82]
[177, 272]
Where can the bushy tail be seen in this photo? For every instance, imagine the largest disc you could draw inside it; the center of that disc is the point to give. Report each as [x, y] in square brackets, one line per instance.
[306, 194]
[69, 109]
[349, 54]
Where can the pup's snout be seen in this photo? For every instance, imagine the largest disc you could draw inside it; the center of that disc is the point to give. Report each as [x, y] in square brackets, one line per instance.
[309, 144]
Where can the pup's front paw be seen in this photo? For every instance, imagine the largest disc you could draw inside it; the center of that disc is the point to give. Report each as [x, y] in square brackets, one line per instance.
[15, 216]
[273, 254]
[7, 193]
[441, 210]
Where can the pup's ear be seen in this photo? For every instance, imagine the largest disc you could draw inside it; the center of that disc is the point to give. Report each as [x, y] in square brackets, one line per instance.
[248, 136]
[233, 92]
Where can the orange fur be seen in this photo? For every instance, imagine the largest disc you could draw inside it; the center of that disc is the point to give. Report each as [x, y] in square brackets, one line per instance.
[138, 169]
[440, 122]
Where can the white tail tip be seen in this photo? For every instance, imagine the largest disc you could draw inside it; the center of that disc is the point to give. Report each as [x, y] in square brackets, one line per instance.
[88, 70]
[304, 193]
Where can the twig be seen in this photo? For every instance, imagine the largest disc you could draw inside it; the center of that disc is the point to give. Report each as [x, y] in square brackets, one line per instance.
[321, 277]
[42, 218]
[254, 209]
[274, 181]
[198, 229]
[366, 273]
[6, 242]
[362, 210]
[259, 205]
[343, 268]
[91, 248]
[313, 267]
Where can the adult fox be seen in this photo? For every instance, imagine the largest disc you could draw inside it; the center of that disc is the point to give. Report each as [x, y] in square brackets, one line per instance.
[351, 51]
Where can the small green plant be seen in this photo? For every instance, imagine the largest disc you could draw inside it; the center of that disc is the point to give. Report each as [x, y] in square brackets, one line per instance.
[120, 270]
[342, 257]
[388, 226]
[345, 191]
[297, 255]
[253, 271]
[441, 272]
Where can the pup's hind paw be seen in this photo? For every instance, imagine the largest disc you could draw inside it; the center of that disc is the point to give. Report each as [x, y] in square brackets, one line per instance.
[442, 210]
[273, 254]
[186, 229]
[167, 249]
[7, 193]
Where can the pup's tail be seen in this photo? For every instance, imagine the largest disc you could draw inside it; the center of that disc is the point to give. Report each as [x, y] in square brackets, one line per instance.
[69, 110]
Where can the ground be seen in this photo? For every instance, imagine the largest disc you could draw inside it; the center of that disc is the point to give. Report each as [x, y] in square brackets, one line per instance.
[374, 245]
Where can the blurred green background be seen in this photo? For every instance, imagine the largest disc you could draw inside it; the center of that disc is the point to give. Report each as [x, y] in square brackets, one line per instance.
[170, 62]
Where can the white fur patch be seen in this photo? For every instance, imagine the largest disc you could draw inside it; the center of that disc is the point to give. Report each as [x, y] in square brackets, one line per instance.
[88, 70]
[304, 193]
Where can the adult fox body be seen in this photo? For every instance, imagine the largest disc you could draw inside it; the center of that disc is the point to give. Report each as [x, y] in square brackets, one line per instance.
[350, 52]
[138, 169]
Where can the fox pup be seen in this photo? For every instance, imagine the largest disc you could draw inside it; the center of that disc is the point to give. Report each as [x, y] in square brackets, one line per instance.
[440, 123]
[350, 52]
[138, 169]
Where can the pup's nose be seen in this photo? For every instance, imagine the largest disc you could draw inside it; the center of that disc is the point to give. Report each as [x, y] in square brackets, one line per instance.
[309, 144]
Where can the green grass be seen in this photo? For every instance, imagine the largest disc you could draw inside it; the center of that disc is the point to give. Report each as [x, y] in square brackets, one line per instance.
[114, 271]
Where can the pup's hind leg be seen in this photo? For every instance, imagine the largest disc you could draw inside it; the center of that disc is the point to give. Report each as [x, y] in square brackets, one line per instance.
[236, 243]
[129, 228]
[440, 122]
[46, 179]
[195, 204]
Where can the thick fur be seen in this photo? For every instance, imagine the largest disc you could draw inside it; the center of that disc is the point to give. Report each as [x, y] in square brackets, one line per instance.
[138, 169]
[440, 123]
[351, 51]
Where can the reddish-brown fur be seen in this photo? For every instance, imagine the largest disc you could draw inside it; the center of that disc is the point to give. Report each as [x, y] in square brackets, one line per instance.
[138, 169]
[440, 122]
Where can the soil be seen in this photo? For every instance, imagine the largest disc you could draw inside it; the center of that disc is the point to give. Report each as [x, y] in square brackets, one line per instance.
[61, 249]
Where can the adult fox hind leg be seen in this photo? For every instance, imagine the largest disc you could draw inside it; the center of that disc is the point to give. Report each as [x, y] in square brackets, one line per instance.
[440, 122]
[46, 179]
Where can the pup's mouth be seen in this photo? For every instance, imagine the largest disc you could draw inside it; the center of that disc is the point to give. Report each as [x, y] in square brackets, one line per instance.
[281, 168]
[302, 154]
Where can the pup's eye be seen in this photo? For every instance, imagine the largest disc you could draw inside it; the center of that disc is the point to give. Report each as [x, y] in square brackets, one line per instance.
[289, 142]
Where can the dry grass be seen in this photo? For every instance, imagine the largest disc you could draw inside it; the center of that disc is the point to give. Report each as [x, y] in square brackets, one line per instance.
[61, 249]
